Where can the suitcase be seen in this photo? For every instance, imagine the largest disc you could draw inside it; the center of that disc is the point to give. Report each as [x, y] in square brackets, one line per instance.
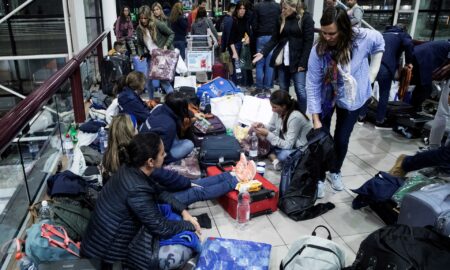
[425, 206]
[216, 128]
[395, 109]
[218, 70]
[219, 148]
[262, 202]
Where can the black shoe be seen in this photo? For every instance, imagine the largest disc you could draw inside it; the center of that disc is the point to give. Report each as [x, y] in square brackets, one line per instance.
[361, 120]
[383, 126]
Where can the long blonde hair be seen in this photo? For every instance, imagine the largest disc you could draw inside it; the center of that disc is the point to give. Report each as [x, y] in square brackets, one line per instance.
[146, 11]
[300, 9]
[121, 131]
[162, 17]
[177, 12]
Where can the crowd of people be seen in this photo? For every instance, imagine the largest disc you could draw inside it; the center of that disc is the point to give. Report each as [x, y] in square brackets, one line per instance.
[141, 218]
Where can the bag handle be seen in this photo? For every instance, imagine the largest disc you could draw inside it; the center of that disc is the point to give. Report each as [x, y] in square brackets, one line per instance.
[222, 165]
[322, 226]
[47, 230]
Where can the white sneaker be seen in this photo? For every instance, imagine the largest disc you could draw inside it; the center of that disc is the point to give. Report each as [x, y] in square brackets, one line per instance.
[320, 189]
[336, 181]
[276, 165]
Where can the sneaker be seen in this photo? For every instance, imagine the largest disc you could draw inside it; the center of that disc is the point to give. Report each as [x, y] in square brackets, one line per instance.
[276, 165]
[397, 170]
[336, 181]
[361, 120]
[383, 126]
[320, 189]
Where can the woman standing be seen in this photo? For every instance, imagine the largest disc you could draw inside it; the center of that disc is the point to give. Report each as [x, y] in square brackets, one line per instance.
[239, 36]
[179, 25]
[158, 13]
[153, 34]
[292, 42]
[339, 77]
[203, 23]
[123, 29]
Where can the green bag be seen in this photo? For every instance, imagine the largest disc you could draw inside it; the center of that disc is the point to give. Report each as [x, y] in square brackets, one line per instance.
[414, 183]
[73, 218]
[246, 57]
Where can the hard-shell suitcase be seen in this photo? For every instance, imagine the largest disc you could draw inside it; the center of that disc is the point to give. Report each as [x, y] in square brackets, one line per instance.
[219, 148]
[262, 202]
[425, 206]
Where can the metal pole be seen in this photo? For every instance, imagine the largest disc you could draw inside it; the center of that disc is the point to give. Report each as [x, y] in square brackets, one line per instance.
[67, 26]
[15, 11]
[23, 97]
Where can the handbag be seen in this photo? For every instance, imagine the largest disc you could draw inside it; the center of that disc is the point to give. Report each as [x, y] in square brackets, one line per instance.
[140, 65]
[163, 64]
[279, 58]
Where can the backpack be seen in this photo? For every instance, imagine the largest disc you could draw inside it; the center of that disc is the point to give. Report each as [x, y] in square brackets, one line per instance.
[47, 243]
[200, 27]
[313, 252]
[403, 247]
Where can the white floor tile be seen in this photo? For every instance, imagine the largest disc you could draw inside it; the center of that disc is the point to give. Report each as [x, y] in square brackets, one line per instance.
[360, 146]
[259, 228]
[213, 232]
[291, 230]
[349, 167]
[364, 167]
[334, 196]
[353, 241]
[380, 162]
[276, 255]
[346, 221]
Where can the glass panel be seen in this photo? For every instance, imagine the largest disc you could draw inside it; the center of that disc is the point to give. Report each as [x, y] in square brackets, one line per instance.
[424, 26]
[406, 19]
[39, 36]
[5, 42]
[379, 20]
[369, 5]
[433, 4]
[445, 4]
[443, 27]
[407, 5]
[42, 7]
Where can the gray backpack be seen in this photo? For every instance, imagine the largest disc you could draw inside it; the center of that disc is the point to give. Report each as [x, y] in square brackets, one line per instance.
[313, 252]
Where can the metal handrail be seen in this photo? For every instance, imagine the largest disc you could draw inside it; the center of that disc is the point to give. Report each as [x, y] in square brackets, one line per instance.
[17, 118]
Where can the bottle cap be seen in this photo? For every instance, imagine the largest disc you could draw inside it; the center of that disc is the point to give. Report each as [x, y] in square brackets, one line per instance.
[44, 203]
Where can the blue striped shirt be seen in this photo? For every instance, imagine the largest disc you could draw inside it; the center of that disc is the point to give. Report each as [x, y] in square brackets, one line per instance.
[367, 42]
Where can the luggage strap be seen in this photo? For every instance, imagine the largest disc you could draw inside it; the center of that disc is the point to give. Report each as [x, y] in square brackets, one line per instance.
[54, 235]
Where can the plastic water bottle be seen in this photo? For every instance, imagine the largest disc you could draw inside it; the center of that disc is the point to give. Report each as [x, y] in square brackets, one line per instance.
[46, 212]
[25, 263]
[243, 207]
[103, 140]
[237, 65]
[207, 103]
[68, 145]
[33, 147]
[203, 102]
[253, 153]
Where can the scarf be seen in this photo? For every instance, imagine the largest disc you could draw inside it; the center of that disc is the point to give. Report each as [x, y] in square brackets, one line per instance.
[330, 79]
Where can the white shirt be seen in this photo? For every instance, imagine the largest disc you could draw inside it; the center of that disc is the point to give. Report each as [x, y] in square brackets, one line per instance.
[149, 41]
[286, 54]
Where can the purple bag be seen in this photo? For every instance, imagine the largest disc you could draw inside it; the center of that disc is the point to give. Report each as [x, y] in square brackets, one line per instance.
[163, 64]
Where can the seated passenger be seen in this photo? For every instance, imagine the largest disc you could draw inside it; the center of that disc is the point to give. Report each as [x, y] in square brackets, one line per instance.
[166, 120]
[286, 130]
[184, 189]
[119, 48]
[129, 99]
[129, 207]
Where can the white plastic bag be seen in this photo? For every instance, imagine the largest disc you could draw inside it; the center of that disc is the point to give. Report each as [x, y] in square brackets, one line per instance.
[255, 110]
[189, 81]
[181, 65]
[227, 108]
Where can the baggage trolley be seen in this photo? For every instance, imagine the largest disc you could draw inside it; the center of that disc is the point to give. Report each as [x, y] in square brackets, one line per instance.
[200, 53]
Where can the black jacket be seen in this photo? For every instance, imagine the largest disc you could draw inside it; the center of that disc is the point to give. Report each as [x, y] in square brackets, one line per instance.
[300, 41]
[266, 14]
[180, 29]
[396, 41]
[128, 203]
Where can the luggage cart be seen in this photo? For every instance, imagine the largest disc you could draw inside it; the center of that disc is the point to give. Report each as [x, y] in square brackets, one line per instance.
[200, 53]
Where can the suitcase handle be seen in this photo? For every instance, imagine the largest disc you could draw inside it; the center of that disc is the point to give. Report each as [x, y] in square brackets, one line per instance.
[222, 165]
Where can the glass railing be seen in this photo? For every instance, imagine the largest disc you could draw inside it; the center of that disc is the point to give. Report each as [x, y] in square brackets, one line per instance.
[30, 141]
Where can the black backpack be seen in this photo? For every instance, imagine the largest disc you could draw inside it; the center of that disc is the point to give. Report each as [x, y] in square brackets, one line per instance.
[113, 68]
[403, 247]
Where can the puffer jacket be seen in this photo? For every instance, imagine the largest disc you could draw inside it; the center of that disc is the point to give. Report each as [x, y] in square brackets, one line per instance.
[131, 103]
[300, 41]
[127, 205]
[164, 37]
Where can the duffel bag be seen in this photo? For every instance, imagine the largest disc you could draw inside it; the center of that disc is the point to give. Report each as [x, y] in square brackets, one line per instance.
[219, 148]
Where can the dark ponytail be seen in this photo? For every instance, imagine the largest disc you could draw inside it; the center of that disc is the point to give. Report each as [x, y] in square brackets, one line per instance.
[282, 98]
[142, 147]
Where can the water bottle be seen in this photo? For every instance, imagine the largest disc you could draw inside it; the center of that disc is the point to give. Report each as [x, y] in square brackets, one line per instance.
[33, 147]
[103, 140]
[203, 102]
[46, 211]
[25, 263]
[68, 145]
[237, 66]
[253, 152]
[207, 103]
[243, 207]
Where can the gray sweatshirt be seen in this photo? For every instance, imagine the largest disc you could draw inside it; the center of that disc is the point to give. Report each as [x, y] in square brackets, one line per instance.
[297, 128]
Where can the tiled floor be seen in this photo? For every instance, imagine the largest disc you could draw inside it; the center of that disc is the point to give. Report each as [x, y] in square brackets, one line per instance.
[370, 150]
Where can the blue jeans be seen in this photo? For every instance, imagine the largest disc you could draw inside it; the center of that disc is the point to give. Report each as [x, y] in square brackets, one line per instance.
[345, 121]
[264, 73]
[384, 79]
[282, 154]
[181, 148]
[299, 78]
[181, 45]
[210, 188]
[152, 84]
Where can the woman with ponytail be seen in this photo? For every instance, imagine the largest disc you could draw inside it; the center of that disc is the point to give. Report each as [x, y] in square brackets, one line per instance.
[286, 130]
[291, 45]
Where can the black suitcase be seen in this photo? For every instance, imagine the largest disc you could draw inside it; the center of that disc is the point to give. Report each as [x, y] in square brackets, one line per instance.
[219, 148]
[395, 109]
[113, 68]
[189, 94]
